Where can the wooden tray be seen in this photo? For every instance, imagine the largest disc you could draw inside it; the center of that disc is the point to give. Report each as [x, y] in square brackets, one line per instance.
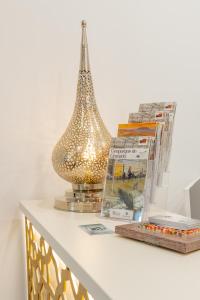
[183, 244]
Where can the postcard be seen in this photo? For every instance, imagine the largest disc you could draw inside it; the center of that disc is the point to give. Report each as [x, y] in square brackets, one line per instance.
[95, 229]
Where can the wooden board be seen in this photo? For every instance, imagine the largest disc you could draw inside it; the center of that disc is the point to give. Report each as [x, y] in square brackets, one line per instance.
[184, 244]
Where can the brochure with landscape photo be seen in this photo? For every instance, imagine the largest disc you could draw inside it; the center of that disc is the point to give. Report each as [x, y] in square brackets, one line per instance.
[150, 130]
[128, 181]
[137, 129]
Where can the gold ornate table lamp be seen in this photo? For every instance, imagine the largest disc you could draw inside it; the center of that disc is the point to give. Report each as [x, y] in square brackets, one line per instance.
[80, 156]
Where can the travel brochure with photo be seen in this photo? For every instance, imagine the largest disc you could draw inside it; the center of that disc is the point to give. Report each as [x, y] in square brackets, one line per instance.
[125, 188]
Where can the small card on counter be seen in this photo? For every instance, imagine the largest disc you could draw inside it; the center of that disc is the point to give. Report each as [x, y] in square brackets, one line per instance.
[96, 229]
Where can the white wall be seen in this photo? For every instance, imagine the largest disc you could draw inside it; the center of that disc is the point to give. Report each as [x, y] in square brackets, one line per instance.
[139, 51]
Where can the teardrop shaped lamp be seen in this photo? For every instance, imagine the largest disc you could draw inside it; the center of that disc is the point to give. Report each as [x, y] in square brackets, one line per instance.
[80, 156]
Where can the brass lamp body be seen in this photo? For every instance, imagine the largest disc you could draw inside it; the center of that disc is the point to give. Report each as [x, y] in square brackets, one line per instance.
[80, 156]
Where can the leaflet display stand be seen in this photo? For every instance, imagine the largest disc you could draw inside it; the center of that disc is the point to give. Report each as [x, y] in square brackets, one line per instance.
[161, 192]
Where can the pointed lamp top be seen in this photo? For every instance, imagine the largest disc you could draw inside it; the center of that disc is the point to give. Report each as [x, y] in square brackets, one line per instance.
[84, 60]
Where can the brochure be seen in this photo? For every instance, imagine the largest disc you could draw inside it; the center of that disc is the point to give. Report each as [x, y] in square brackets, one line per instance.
[129, 178]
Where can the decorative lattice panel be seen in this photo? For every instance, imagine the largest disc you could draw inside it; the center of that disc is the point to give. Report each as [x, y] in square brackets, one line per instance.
[48, 277]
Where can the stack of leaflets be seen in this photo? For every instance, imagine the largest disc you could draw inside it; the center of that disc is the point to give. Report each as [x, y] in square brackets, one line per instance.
[152, 130]
[128, 182]
[175, 221]
[162, 118]
[159, 108]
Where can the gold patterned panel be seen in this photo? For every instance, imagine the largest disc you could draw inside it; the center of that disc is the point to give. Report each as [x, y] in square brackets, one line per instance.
[48, 277]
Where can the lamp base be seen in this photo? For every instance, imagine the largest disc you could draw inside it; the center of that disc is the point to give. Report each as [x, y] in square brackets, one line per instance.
[84, 198]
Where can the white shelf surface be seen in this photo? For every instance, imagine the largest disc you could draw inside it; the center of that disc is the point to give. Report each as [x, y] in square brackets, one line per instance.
[112, 267]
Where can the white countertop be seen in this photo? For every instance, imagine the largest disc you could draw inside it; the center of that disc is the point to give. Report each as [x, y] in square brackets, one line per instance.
[112, 267]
